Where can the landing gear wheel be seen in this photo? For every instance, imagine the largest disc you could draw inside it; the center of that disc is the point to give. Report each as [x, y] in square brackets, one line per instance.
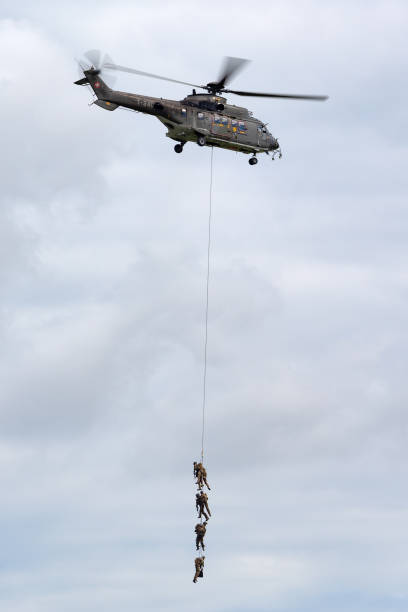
[178, 148]
[201, 141]
[252, 161]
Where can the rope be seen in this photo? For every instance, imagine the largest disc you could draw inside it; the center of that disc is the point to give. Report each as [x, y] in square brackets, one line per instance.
[206, 306]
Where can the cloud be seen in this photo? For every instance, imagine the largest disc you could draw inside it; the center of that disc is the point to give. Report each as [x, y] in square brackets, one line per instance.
[103, 264]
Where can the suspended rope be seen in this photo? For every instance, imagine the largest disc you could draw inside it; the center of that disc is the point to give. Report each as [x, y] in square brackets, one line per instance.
[200, 472]
[206, 306]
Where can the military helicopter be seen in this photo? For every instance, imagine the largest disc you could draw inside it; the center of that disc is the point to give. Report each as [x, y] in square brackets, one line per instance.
[204, 118]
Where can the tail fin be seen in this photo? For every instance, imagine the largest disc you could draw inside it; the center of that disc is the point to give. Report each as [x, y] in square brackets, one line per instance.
[92, 77]
[83, 81]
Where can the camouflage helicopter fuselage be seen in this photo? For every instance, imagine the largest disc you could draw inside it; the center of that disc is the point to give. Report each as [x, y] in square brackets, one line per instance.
[205, 119]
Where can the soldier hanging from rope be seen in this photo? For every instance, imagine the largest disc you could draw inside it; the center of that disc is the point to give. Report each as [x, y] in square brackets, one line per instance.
[199, 566]
[202, 505]
[200, 530]
[201, 474]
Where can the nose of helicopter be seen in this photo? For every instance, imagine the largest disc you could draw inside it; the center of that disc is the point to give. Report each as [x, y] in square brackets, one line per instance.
[274, 144]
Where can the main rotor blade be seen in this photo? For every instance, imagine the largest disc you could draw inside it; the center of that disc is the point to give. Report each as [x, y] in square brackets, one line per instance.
[111, 66]
[231, 66]
[108, 76]
[274, 95]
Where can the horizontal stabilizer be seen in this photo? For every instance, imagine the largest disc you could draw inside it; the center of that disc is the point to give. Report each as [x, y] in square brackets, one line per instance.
[111, 106]
[83, 81]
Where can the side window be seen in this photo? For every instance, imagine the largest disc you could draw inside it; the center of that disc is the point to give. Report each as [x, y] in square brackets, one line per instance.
[242, 127]
[221, 122]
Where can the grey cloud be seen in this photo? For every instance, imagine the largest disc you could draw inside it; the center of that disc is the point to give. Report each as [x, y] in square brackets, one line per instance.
[103, 262]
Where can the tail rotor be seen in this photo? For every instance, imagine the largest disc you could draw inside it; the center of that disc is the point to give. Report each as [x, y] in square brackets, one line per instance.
[95, 63]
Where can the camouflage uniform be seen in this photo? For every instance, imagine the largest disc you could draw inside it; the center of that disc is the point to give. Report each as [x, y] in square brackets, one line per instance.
[198, 502]
[201, 503]
[199, 566]
[201, 474]
[197, 467]
[200, 530]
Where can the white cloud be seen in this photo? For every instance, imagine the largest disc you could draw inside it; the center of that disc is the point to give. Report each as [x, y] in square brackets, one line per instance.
[102, 264]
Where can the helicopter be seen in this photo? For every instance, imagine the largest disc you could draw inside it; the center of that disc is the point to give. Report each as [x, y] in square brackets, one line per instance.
[203, 118]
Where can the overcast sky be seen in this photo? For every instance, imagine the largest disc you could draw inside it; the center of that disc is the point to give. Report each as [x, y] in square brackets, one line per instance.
[103, 233]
